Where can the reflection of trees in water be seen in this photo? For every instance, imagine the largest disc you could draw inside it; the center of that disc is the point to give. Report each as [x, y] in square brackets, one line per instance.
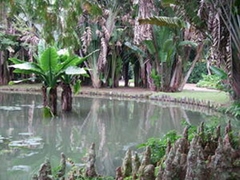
[113, 125]
[16, 110]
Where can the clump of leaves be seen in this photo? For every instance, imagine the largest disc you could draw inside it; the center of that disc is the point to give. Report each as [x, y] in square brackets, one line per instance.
[211, 81]
[234, 109]
[156, 78]
[158, 146]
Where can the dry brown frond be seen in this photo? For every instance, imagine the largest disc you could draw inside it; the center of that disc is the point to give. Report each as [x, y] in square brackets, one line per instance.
[86, 39]
[106, 33]
[102, 59]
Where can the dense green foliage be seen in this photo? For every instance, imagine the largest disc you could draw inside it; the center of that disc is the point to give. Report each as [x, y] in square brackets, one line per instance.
[199, 70]
[210, 81]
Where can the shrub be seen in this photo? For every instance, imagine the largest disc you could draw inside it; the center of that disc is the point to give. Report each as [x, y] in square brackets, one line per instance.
[196, 75]
[212, 82]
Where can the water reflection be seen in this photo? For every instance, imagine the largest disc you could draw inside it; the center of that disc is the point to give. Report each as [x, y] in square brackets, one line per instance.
[113, 125]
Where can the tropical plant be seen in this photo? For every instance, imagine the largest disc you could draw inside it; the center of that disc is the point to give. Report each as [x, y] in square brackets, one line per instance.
[170, 57]
[197, 72]
[218, 20]
[101, 33]
[210, 81]
[159, 146]
[70, 77]
[230, 15]
[49, 69]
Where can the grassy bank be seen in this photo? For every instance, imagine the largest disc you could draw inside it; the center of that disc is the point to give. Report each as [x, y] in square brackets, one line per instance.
[218, 97]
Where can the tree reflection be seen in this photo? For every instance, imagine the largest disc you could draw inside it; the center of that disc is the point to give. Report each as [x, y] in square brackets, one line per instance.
[114, 125]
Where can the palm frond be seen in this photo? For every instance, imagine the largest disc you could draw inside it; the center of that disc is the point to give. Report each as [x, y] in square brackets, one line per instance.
[173, 22]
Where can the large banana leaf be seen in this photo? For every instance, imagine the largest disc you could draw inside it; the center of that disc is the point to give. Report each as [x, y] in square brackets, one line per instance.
[26, 67]
[74, 70]
[16, 61]
[49, 60]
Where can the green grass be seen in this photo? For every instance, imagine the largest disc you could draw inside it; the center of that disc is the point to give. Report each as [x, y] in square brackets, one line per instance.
[219, 97]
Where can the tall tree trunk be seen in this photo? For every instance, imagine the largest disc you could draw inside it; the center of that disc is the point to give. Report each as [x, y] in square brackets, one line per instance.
[177, 74]
[165, 77]
[50, 99]
[4, 74]
[66, 97]
[143, 32]
[150, 80]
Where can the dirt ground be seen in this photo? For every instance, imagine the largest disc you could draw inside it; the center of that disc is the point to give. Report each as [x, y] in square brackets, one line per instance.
[135, 90]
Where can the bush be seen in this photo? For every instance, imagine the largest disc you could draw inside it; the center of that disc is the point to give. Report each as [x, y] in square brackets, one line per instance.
[196, 75]
[212, 82]
[158, 146]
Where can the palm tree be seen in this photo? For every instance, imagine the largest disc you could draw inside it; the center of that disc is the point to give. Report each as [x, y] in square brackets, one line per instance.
[230, 15]
[218, 20]
[166, 48]
[49, 68]
[141, 33]
[103, 32]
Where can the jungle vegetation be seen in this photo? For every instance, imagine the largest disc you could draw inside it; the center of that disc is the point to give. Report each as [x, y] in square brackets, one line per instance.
[157, 43]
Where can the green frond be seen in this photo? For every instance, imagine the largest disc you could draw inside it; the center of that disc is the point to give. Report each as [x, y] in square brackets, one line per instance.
[173, 22]
[188, 43]
[167, 3]
[134, 48]
[150, 46]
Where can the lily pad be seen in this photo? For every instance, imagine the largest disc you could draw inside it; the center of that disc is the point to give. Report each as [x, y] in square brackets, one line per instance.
[32, 142]
[10, 108]
[20, 168]
[26, 134]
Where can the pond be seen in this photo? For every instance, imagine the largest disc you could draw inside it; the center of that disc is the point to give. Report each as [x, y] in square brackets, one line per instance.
[114, 125]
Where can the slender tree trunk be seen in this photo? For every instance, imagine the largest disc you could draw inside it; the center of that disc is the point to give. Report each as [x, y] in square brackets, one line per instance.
[137, 78]
[50, 99]
[150, 81]
[66, 98]
[4, 73]
[197, 57]
[125, 73]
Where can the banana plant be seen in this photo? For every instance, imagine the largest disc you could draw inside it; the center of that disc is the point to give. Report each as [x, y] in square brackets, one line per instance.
[49, 68]
[70, 77]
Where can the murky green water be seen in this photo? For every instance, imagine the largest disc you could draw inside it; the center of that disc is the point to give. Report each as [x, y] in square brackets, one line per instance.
[114, 125]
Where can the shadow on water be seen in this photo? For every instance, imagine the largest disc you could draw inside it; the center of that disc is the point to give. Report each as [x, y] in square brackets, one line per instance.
[114, 125]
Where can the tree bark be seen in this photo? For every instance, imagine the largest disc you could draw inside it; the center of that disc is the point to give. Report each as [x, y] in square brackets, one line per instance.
[66, 98]
[235, 77]
[4, 73]
[50, 99]
[143, 32]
